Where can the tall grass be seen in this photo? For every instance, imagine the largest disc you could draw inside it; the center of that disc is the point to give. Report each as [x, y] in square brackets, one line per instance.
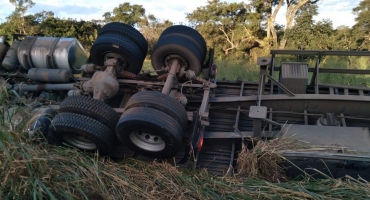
[232, 70]
[361, 63]
[237, 70]
[245, 71]
[31, 169]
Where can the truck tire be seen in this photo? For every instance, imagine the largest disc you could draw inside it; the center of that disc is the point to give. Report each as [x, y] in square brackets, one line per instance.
[90, 107]
[180, 45]
[190, 32]
[160, 102]
[128, 32]
[82, 132]
[121, 46]
[149, 132]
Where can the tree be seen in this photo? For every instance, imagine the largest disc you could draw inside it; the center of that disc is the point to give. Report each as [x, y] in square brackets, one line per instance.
[265, 7]
[362, 26]
[151, 28]
[126, 13]
[21, 7]
[230, 27]
[270, 9]
[85, 31]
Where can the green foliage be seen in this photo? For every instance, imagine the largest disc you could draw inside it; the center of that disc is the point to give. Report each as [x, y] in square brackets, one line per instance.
[126, 13]
[308, 34]
[151, 28]
[85, 31]
[230, 27]
[362, 27]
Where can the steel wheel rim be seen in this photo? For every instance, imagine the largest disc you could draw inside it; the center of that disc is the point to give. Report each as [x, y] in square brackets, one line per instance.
[147, 141]
[79, 142]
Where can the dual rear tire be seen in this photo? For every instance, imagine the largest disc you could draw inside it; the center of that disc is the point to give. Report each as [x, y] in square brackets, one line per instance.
[124, 42]
[182, 41]
[152, 124]
[85, 123]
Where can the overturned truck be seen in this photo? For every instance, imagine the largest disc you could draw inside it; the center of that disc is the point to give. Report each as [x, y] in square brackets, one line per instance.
[108, 103]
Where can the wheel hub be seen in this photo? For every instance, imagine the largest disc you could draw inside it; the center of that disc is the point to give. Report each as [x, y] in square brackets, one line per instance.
[79, 142]
[147, 141]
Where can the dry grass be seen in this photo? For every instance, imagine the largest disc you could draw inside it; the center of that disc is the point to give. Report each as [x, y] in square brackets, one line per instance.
[263, 160]
[31, 169]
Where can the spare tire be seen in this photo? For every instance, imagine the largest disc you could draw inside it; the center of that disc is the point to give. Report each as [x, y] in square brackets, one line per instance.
[119, 45]
[127, 31]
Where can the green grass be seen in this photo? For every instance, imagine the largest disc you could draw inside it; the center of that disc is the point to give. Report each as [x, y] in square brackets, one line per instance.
[234, 70]
[346, 79]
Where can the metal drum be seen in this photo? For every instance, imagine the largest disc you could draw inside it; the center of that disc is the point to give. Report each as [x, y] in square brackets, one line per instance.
[3, 49]
[10, 62]
[51, 52]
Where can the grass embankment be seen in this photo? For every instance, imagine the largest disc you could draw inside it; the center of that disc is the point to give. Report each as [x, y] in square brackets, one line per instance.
[31, 169]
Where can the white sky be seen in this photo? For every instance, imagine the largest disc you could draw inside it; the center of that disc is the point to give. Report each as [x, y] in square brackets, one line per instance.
[338, 11]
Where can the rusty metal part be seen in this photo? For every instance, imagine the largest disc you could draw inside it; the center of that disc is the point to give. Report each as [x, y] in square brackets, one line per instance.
[103, 85]
[162, 77]
[50, 75]
[88, 68]
[179, 97]
[10, 62]
[127, 74]
[175, 66]
[51, 52]
[181, 61]
[74, 92]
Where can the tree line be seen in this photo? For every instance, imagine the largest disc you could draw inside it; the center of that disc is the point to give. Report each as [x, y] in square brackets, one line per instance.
[235, 30]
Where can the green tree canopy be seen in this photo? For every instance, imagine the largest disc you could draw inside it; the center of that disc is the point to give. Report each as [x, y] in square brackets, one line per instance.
[126, 13]
[231, 27]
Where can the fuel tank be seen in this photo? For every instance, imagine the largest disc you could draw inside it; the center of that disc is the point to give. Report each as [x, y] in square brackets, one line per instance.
[52, 52]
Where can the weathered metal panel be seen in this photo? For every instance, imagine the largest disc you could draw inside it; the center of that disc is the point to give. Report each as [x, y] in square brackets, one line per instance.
[294, 76]
[348, 138]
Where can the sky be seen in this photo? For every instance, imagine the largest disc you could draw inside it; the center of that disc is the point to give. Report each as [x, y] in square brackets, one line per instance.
[338, 11]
